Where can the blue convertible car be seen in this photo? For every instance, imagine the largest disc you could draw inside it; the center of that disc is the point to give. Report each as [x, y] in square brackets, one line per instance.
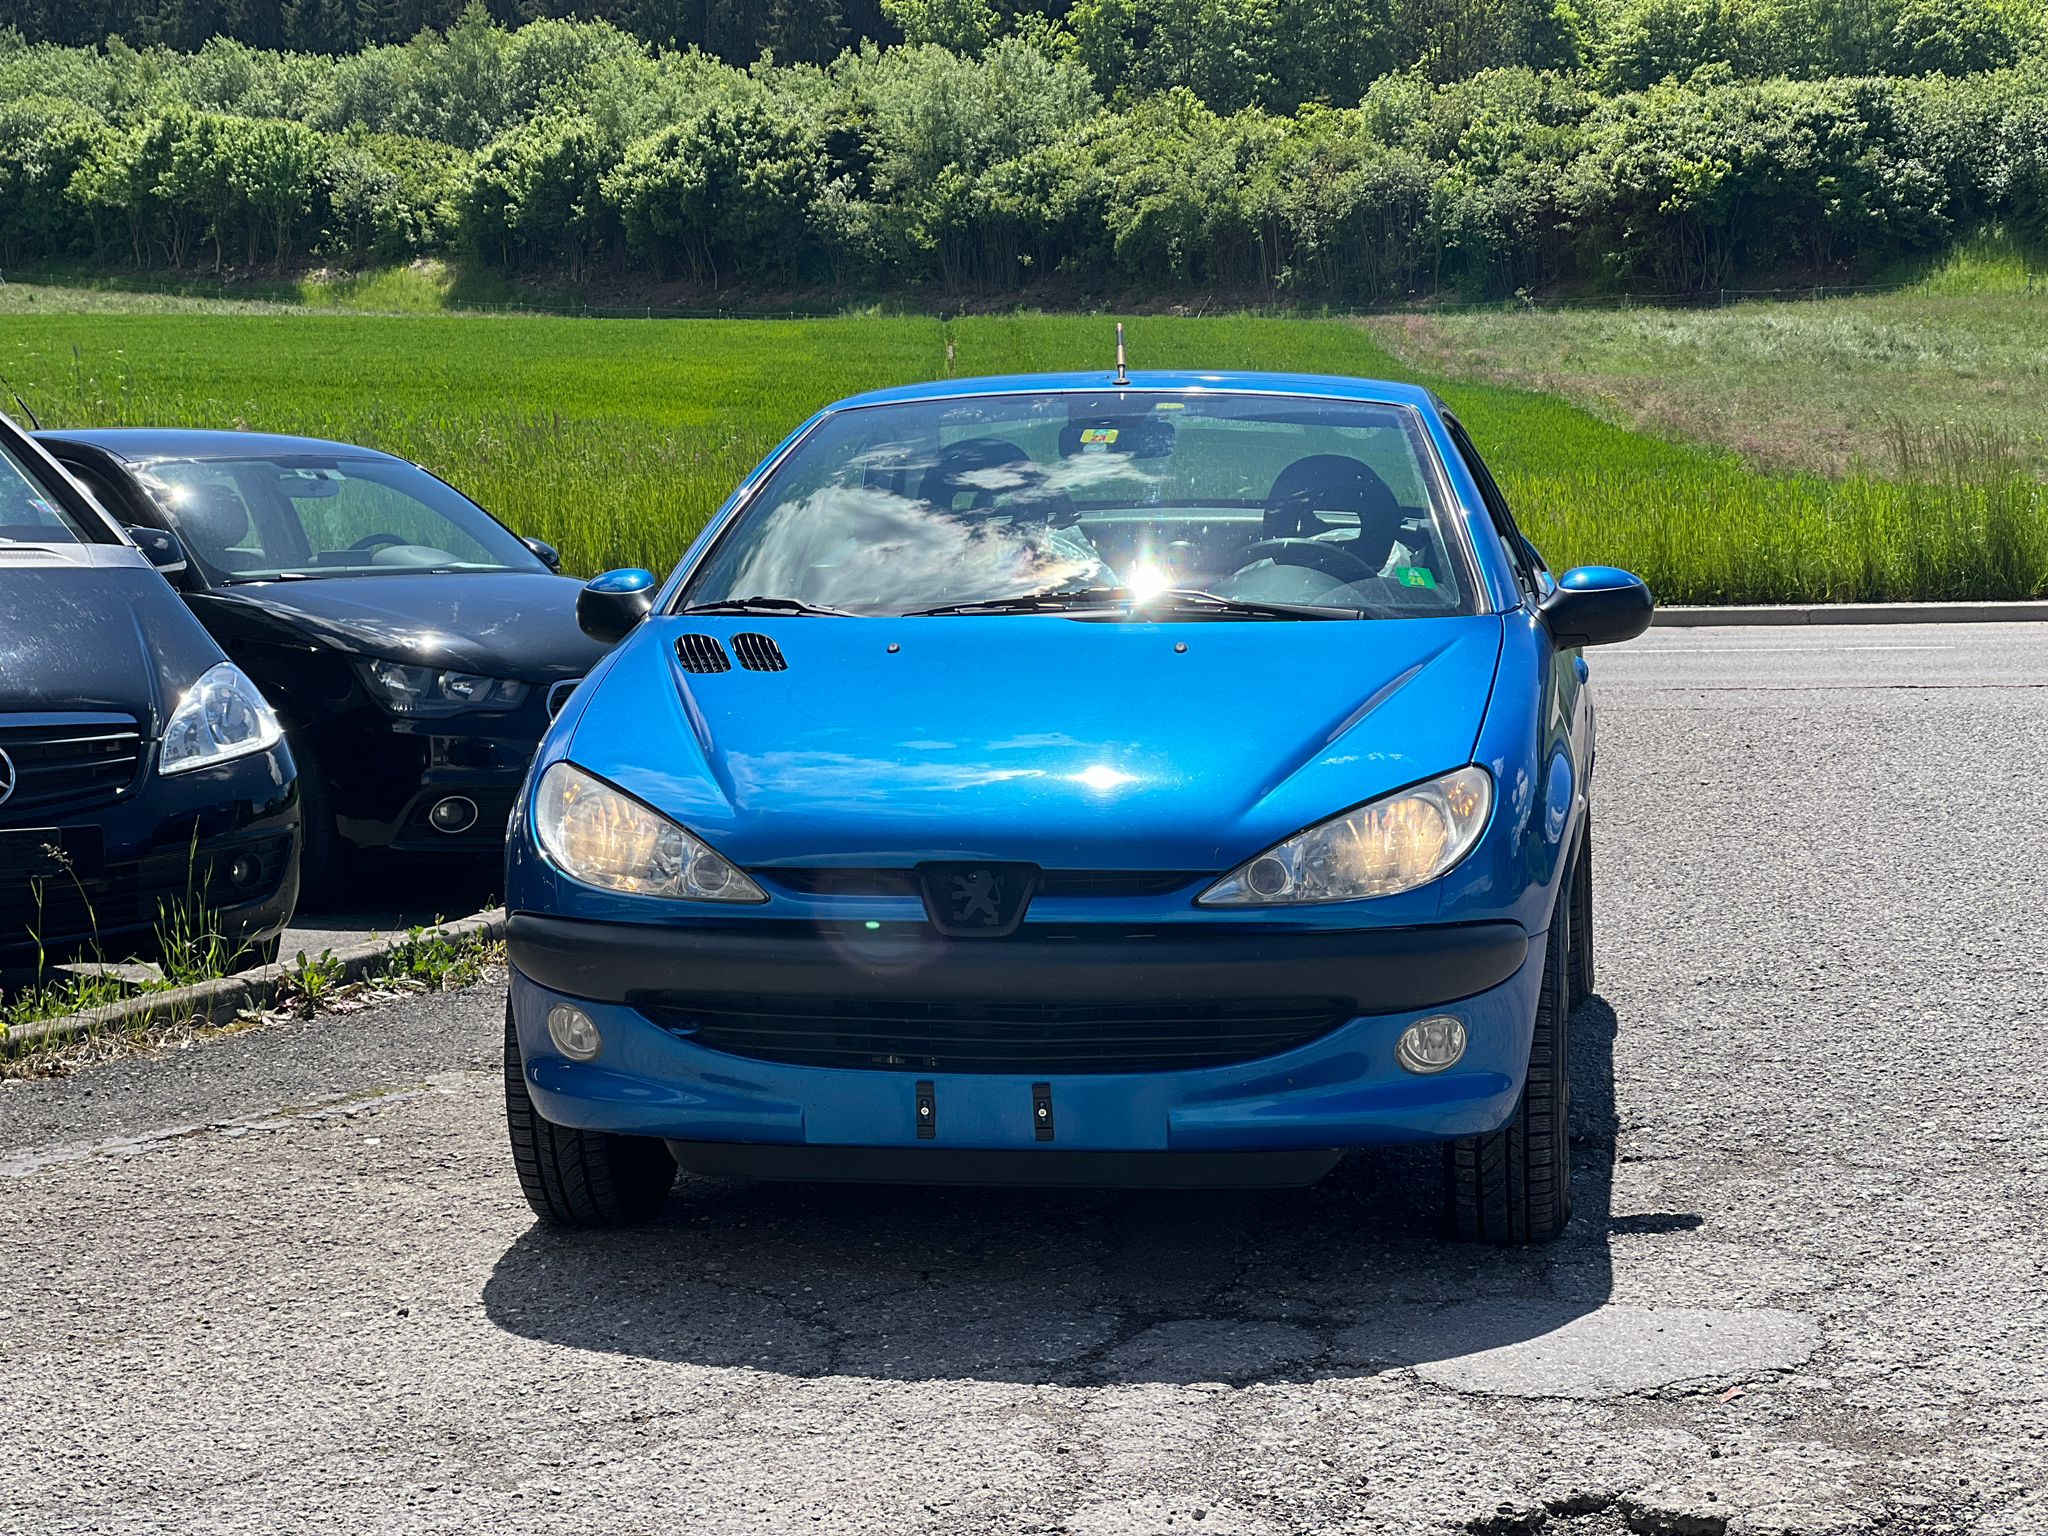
[1103, 779]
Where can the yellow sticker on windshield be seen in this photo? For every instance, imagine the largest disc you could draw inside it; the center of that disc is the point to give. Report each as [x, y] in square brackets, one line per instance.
[1102, 435]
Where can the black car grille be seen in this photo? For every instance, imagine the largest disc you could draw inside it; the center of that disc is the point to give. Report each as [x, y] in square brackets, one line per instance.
[1000, 1037]
[67, 909]
[64, 763]
[1051, 882]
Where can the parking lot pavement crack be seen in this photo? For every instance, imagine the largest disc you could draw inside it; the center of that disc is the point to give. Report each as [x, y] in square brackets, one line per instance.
[350, 1106]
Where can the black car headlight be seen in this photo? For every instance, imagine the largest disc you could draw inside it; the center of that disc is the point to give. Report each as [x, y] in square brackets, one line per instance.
[1382, 848]
[220, 718]
[604, 837]
[416, 692]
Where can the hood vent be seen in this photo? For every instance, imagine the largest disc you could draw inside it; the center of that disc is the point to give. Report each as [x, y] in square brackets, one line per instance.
[758, 653]
[701, 653]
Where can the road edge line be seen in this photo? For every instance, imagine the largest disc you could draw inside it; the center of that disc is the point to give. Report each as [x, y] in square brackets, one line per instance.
[2027, 612]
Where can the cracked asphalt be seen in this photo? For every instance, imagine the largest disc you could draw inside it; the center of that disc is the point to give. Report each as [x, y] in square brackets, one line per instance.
[283, 1280]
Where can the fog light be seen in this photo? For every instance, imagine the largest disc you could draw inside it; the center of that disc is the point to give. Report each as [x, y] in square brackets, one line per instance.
[1432, 1044]
[455, 814]
[242, 871]
[574, 1032]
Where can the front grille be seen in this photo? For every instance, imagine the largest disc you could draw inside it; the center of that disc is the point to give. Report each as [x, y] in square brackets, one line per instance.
[1000, 1037]
[65, 763]
[135, 893]
[1051, 882]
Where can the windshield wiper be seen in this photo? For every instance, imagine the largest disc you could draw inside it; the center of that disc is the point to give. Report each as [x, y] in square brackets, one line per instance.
[1181, 599]
[791, 605]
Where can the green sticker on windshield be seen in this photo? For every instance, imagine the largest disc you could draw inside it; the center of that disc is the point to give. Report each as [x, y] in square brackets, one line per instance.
[1416, 576]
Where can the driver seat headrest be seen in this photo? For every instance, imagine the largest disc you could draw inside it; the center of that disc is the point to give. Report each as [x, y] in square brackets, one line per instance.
[999, 478]
[1333, 482]
[211, 518]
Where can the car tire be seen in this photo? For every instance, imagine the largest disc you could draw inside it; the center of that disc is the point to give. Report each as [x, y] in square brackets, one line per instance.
[1579, 966]
[322, 854]
[575, 1178]
[1514, 1185]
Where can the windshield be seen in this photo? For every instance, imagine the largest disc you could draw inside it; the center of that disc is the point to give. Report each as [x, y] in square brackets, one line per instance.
[302, 516]
[1276, 503]
[29, 514]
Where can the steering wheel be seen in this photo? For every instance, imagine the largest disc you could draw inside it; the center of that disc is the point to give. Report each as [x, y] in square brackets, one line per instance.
[371, 541]
[1333, 560]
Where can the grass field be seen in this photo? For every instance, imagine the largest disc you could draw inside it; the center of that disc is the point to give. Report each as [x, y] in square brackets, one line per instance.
[615, 439]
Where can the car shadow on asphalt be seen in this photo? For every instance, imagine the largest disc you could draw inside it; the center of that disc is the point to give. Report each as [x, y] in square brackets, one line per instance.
[1349, 1277]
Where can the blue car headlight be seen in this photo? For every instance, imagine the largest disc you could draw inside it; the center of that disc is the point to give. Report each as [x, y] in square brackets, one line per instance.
[604, 837]
[221, 717]
[1382, 848]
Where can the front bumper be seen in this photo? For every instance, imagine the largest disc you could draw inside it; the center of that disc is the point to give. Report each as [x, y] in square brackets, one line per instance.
[388, 775]
[1339, 1089]
[215, 849]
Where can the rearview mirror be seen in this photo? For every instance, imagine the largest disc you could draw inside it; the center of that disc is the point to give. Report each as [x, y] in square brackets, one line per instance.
[1597, 605]
[161, 548]
[548, 555]
[610, 605]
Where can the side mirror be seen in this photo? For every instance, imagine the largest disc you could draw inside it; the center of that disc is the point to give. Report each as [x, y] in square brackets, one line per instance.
[548, 555]
[161, 548]
[1597, 605]
[611, 604]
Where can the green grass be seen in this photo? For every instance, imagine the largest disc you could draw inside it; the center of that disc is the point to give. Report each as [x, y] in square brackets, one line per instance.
[614, 439]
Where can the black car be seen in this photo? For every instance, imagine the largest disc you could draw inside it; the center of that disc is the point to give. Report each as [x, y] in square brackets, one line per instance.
[146, 794]
[410, 641]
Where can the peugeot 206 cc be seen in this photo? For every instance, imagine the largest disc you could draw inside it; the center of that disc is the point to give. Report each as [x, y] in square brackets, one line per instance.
[1154, 778]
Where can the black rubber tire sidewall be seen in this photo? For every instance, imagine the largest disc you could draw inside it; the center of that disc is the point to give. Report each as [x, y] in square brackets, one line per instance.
[575, 1178]
[1513, 1185]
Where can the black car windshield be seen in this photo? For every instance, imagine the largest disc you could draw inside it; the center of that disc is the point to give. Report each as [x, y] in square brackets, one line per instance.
[265, 519]
[1283, 507]
[30, 514]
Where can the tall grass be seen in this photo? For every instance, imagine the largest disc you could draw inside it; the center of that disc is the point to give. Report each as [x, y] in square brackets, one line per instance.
[614, 440]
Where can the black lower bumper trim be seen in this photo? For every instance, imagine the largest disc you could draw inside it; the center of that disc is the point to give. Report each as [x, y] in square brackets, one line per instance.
[1021, 1167]
[1368, 970]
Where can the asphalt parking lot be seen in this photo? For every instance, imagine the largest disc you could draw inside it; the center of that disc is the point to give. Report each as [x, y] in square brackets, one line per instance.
[284, 1280]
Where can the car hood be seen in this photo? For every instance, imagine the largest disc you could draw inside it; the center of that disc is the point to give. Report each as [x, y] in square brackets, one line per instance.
[92, 628]
[1068, 744]
[503, 624]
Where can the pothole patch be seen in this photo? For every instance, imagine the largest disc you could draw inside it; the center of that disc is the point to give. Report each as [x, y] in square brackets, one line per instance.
[1508, 1348]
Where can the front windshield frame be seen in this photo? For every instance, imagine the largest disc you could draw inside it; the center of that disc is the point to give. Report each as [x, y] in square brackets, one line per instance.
[504, 550]
[1442, 502]
[77, 524]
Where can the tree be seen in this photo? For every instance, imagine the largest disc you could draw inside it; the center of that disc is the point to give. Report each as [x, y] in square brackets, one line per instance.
[964, 26]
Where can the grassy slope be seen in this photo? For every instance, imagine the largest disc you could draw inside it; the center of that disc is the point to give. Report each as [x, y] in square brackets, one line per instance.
[1831, 386]
[614, 439]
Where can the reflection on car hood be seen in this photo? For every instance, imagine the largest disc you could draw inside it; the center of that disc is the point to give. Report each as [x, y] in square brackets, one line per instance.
[92, 628]
[503, 624]
[1069, 744]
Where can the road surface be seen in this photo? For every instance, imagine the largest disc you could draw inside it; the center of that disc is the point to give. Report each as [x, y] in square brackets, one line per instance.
[284, 1281]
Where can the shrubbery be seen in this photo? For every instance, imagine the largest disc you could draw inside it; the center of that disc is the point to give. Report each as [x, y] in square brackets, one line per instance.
[1678, 144]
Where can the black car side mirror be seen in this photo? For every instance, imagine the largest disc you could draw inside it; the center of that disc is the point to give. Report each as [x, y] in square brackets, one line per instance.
[161, 548]
[611, 604]
[548, 555]
[1597, 605]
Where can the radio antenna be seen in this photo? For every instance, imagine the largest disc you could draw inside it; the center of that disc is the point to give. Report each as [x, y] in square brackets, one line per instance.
[1123, 375]
[25, 410]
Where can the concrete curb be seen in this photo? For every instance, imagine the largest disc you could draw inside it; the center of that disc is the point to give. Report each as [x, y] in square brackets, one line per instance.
[1856, 613]
[213, 1002]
